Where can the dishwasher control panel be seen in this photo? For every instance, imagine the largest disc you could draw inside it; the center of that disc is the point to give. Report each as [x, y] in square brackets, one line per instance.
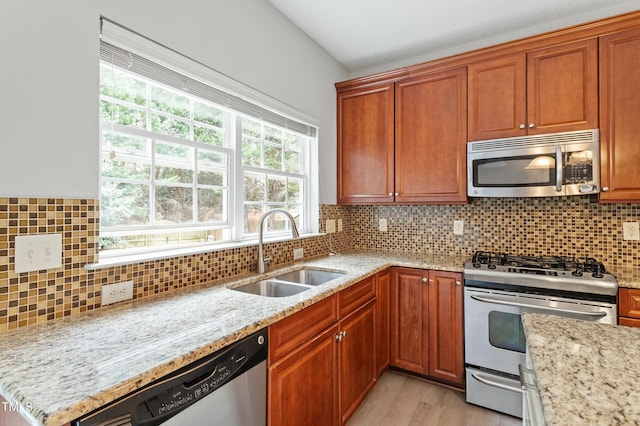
[184, 394]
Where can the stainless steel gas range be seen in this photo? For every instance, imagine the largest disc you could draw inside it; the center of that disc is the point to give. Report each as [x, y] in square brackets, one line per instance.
[499, 287]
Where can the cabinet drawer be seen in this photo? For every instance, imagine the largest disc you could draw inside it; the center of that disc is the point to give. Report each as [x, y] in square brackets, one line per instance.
[287, 334]
[357, 295]
[629, 302]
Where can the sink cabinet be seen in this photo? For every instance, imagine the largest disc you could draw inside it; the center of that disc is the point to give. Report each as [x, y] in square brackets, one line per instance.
[321, 359]
[554, 89]
[426, 324]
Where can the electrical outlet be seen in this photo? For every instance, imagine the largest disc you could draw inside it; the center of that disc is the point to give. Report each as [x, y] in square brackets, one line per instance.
[298, 253]
[113, 293]
[630, 231]
[340, 225]
[458, 227]
[331, 226]
[382, 225]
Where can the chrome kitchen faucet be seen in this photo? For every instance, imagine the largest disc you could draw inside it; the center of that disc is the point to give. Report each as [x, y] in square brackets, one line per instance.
[294, 234]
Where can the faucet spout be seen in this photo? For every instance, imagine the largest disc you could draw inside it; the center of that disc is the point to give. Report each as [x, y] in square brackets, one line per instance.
[294, 234]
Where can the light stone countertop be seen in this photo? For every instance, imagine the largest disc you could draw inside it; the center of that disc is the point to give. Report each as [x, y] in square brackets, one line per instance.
[58, 371]
[587, 373]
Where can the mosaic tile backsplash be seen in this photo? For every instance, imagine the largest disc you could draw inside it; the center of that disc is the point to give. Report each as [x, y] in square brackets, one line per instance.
[559, 225]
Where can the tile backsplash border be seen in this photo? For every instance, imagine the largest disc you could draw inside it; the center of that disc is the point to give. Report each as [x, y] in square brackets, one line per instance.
[557, 225]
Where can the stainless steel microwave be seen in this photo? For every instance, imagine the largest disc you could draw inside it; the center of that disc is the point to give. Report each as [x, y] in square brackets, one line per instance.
[565, 163]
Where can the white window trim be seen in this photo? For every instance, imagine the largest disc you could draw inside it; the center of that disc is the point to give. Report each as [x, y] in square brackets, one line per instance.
[136, 43]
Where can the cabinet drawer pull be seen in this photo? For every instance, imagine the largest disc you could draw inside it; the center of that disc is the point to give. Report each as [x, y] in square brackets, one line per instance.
[605, 189]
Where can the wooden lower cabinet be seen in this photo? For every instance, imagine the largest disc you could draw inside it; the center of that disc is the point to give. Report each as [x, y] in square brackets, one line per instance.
[356, 359]
[427, 323]
[383, 322]
[302, 387]
[409, 326]
[629, 307]
[446, 361]
[322, 378]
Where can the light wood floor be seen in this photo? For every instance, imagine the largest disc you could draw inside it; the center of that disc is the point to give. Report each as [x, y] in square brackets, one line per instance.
[400, 400]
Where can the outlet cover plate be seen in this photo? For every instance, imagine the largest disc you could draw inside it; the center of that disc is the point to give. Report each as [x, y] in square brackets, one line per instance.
[630, 231]
[331, 226]
[113, 293]
[382, 225]
[298, 253]
[458, 227]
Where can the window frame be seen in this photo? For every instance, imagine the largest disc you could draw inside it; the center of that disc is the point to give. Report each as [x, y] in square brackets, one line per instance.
[119, 36]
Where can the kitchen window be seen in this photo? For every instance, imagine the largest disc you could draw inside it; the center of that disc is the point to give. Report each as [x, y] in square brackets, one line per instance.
[184, 162]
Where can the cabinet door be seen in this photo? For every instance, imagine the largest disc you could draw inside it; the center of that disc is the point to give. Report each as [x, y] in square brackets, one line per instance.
[302, 386]
[619, 124]
[365, 145]
[431, 131]
[356, 355]
[562, 88]
[497, 98]
[409, 322]
[383, 295]
[445, 327]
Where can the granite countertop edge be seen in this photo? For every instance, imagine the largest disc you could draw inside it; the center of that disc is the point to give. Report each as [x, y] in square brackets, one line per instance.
[58, 371]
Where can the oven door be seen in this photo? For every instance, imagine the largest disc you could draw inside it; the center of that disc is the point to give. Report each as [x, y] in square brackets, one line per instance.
[494, 336]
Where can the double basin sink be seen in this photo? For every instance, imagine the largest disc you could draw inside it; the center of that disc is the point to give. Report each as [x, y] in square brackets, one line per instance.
[290, 283]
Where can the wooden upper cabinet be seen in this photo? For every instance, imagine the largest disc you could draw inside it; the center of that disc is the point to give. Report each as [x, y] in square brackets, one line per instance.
[497, 98]
[619, 123]
[366, 145]
[562, 88]
[430, 141]
[549, 90]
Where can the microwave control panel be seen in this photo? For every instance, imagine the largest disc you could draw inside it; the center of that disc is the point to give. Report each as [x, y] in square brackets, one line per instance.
[578, 173]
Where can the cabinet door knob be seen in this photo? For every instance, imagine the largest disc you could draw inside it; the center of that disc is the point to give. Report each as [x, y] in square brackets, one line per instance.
[391, 194]
[458, 283]
[522, 126]
[531, 126]
[605, 189]
[424, 280]
[396, 194]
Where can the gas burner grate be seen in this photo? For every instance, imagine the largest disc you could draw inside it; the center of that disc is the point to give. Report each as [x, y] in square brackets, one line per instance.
[578, 265]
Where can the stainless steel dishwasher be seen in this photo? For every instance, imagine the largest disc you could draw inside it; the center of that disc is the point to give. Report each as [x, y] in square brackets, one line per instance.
[228, 387]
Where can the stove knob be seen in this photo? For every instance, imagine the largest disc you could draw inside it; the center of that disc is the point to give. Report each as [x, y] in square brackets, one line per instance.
[491, 266]
[577, 272]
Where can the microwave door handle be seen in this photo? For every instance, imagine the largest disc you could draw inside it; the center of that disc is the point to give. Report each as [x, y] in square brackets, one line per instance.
[488, 299]
[559, 169]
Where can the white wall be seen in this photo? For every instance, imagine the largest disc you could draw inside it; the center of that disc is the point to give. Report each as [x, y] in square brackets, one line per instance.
[49, 79]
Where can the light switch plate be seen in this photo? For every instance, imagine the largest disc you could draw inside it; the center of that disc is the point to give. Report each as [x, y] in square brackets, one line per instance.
[382, 225]
[37, 252]
[298, 253]
[340, 225]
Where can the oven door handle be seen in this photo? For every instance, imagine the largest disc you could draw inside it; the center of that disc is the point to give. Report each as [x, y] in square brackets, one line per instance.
[487, 299]
[485, 379]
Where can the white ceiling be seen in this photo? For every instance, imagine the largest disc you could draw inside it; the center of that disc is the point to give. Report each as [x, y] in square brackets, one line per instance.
[373, 35]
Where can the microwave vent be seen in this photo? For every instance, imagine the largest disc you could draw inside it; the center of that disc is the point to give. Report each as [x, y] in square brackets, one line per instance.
[581, 136]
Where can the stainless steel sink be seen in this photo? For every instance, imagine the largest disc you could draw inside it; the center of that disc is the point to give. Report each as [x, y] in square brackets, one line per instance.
[309, 276]
[290, 283]
[272, 288]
